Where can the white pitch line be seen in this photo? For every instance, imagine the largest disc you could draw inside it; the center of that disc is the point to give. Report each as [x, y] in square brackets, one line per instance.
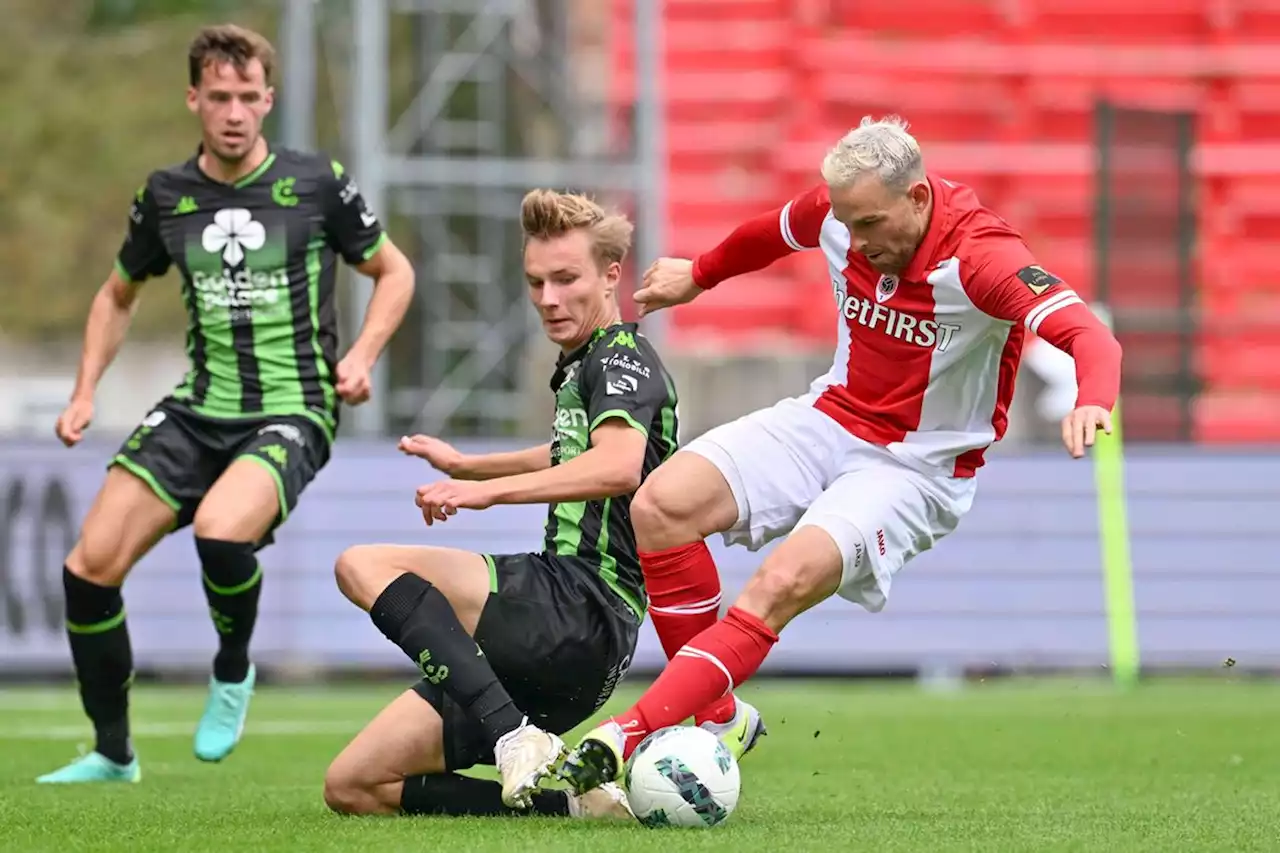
[279, 728]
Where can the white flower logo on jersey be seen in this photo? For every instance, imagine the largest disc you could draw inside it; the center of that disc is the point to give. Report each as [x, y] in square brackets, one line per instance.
[233, 230]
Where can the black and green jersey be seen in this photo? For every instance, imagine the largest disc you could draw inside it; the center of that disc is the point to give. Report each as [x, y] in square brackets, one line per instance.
[258, 260]
[617, 374]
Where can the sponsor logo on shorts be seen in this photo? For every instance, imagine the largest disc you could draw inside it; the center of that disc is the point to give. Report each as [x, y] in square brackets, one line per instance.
[616, 674]
[880, 542]
[276, 453]
[289, 432]
[150, 422]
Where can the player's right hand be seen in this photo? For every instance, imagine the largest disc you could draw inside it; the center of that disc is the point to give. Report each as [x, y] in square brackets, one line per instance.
[442, 455]
[667, 282]
[73, 421]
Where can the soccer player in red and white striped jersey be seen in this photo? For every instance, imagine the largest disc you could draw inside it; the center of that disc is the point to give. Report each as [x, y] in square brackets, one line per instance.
[934, 298]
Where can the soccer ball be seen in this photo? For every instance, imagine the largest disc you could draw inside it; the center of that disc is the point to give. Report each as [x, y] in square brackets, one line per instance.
[682, 776]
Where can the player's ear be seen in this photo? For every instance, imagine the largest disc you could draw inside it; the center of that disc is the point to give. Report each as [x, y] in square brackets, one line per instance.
[269, 100]
[612, 275]
[193, 99]
[919, 193]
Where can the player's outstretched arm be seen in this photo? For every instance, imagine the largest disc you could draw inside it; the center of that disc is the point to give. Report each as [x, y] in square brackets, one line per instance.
[761, 240]
[623, 394]
[104, 331]
[1006, 283]
[611, 467]
[447, 459]
[752, 246]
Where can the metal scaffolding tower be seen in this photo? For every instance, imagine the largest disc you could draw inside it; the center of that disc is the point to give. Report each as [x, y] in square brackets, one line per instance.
[453, 110]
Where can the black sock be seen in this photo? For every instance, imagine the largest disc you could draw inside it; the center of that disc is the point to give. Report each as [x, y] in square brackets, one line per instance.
[232, 585]
[103, 660]
[456, 795]
[417, 617]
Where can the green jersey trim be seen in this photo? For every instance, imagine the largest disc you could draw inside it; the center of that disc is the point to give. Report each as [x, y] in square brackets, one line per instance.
[147, 477]
[256, 173]
[377, 244]
[618, 413]
[279, 481]
[123, 273]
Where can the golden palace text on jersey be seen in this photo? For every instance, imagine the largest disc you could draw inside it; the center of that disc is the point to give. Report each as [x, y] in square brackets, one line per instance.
[258, 260]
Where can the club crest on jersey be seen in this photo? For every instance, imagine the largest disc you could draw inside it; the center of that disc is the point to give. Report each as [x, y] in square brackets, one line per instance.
[887, 287]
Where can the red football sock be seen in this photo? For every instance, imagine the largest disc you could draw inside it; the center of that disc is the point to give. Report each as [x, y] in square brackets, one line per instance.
[708, 668]
[684, 601]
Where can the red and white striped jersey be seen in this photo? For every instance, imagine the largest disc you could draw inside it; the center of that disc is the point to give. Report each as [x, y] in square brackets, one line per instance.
[925, 363]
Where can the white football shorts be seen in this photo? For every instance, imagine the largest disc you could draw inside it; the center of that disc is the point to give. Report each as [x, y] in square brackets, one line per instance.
[790, 465]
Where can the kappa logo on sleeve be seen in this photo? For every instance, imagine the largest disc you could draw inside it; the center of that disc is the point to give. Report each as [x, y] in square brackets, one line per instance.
[1037, 278]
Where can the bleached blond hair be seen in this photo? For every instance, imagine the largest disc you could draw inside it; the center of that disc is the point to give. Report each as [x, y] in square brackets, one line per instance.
[880, 147]
[547, 214]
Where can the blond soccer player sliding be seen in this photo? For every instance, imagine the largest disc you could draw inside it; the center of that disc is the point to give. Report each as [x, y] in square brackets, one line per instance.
[515, 649]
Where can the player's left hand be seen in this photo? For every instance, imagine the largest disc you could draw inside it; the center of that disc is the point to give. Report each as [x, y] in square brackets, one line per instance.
[354, 384]
[1081, 427]
[442, 499]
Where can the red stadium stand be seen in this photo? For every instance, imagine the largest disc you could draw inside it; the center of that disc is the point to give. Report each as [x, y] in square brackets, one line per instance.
[1002, 95]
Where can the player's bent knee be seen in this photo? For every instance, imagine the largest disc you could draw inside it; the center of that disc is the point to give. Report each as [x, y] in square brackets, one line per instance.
[227, 525]
[362, 573]
[348, 569]
[345, 795]
[682, 503]
[354, 785]
[803, 571]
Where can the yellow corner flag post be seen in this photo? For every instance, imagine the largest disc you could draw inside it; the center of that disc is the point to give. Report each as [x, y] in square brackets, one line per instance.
[1113, 537]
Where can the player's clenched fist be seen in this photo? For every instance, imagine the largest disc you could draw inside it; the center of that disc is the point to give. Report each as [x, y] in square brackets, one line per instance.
[354, 384]
[667, 282]
[73, 421]
[1081, 427]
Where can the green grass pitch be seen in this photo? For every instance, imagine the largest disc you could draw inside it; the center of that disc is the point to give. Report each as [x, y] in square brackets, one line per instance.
[1185, 765]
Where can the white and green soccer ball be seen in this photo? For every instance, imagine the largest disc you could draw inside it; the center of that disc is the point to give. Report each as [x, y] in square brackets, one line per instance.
[682, 776]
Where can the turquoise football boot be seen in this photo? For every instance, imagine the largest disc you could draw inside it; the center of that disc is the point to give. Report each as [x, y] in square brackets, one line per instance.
[94, 767]
[224, 715]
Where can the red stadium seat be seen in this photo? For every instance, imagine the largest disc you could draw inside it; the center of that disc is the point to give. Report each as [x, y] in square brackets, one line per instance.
[1237, 417]
[1170, 21]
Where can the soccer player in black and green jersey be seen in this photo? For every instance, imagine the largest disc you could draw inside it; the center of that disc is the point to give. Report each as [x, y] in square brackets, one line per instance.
[256, 234]
[516, 649]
